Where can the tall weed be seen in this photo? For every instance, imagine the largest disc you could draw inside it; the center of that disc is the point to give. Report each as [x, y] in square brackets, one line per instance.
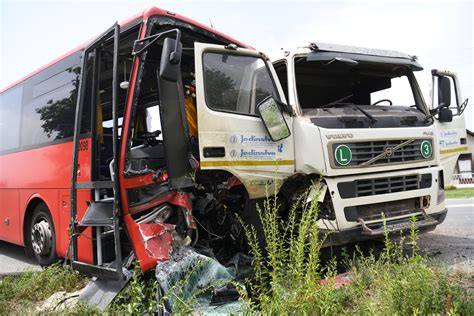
[403, 283]
[288, 271]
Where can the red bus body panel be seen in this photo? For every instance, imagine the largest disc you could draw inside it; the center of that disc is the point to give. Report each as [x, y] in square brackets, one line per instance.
[42, 173]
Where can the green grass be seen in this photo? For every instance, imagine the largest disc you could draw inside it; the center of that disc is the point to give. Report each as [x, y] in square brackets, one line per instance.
[459, 193]
[287, 277]
[138, 298]
[398, 281]
[21, 294]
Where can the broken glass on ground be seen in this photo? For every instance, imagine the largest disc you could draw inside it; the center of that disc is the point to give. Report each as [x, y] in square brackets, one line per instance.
[191, 281]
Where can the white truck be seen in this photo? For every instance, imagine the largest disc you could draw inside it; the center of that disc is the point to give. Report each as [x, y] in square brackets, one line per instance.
[360, 121]
[357, 118]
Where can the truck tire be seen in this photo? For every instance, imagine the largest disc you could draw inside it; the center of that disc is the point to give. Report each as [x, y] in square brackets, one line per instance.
[251, 218]
[40, 237]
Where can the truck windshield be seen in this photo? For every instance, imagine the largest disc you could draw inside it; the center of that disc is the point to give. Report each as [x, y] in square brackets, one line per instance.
[323, 85]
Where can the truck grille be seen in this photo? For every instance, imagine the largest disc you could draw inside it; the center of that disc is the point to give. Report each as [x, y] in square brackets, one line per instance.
[363, 152]
[369, 187]
[371, 212]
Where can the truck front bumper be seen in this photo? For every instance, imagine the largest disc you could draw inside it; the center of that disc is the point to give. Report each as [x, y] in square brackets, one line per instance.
[396, 227]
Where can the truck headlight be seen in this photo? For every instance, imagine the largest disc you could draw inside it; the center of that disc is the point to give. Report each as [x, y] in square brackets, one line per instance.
[440, 187]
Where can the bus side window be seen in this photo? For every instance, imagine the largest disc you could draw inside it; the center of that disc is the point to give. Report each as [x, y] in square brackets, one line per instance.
[49, 103]
[10, 115]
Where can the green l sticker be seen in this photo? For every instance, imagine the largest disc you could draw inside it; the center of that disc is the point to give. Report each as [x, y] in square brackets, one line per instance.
[426, 149]
[343, 155]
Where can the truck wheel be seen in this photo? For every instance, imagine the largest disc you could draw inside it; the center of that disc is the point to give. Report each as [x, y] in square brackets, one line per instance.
[41, 238]
[251, 218]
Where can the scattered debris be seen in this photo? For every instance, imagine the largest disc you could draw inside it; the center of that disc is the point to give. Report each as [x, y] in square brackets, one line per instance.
[99, 293]
[59, 301]
[340, 280]
[190, 280]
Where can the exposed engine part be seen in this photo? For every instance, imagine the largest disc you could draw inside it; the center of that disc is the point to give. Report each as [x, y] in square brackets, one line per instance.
[215, 209]
[296, 185]
[158, 215]
[326, 208]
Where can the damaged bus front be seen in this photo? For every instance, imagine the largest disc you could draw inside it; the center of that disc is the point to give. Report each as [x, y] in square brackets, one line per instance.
[361, 123]
[177, 145]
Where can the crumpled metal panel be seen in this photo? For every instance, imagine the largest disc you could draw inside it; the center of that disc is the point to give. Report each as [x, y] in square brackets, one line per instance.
[153, 242]
[157, 239]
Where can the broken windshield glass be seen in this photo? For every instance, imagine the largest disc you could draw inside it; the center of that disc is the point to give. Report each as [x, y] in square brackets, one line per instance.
[321, 86]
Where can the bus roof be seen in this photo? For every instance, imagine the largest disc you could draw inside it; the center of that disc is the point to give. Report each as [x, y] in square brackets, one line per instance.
[141, 16]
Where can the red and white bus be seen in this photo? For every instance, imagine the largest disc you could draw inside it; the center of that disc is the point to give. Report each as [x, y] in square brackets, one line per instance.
[66, 128]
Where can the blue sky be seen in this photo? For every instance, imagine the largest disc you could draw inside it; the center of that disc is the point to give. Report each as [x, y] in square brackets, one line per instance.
[440, 33]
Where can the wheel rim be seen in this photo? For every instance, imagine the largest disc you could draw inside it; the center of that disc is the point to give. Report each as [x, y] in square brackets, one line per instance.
[41, 237]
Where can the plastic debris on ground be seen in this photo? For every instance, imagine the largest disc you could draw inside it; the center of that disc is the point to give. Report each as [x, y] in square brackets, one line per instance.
[340, 280]
[59, 301]
[192, 281]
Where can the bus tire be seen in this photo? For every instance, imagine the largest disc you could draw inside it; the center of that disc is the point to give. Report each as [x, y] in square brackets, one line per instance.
[41, 238]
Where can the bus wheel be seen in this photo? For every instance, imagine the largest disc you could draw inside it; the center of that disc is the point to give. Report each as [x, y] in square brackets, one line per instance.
[41, 237]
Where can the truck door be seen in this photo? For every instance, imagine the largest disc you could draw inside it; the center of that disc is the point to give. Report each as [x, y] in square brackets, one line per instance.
[231, 83]
[452, 135]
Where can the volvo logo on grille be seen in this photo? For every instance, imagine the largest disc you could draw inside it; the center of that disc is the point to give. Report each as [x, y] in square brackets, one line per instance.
[339, 136]
[388, 151]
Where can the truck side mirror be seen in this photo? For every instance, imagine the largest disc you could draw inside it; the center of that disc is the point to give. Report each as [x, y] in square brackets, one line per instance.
[444, 91]
[170, 64]
[273, 119]
[445, 115]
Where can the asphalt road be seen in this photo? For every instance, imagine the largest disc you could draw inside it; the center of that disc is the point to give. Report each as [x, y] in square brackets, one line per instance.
[452, 242]
[13, 259]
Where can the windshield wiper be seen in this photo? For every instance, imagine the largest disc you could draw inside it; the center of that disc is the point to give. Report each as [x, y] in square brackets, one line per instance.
[367, 114]
[336, 102]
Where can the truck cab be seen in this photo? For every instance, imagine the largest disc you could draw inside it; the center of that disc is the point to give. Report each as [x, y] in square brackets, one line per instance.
[361, 123]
